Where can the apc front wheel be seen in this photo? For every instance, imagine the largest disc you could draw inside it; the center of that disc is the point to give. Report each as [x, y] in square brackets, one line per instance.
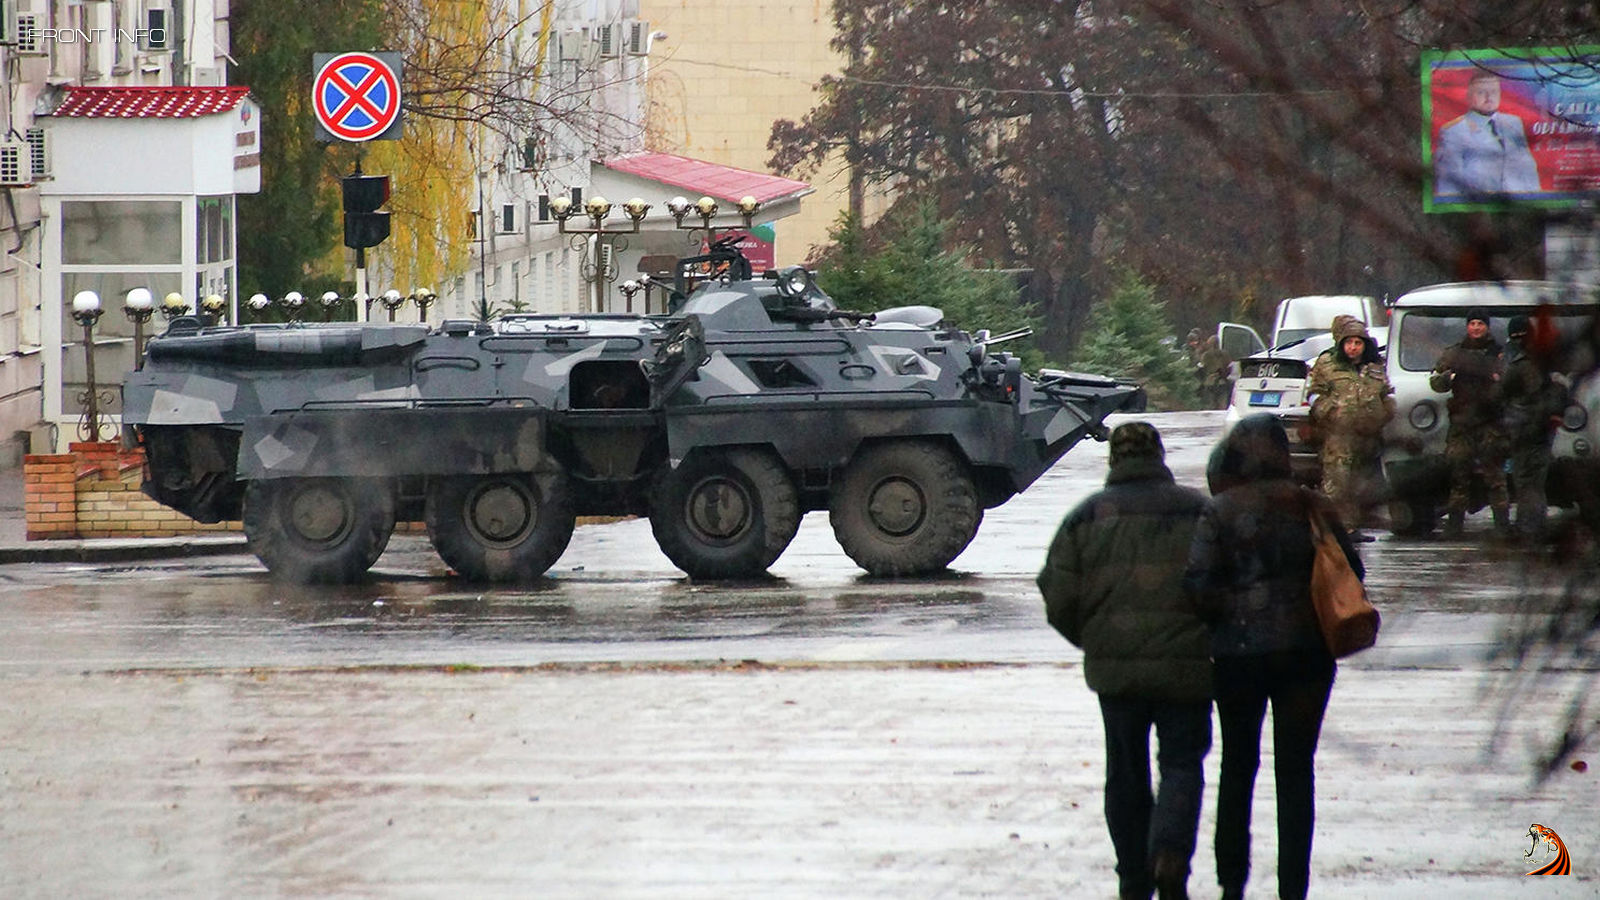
[904, 509]
[318, 530]
[725, 513]
[510, 527]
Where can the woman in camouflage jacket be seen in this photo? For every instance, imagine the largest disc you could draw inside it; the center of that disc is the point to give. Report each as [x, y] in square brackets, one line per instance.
[1352, 401]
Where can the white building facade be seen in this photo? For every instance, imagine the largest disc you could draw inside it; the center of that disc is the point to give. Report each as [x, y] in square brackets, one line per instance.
[594, 77]
[124, 155]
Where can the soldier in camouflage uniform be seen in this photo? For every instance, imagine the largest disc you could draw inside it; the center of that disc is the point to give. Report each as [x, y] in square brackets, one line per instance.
[1533, 407]
[1469, 371]
[1352, 402]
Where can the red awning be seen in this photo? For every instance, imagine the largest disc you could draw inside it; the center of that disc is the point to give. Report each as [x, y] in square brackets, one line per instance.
[696, 176]
[147, 102]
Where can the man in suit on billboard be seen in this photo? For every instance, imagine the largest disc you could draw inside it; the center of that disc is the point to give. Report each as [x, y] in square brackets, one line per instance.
[1483, 151]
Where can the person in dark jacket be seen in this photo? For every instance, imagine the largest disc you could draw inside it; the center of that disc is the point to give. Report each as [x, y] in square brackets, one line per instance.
[1250, 572]
[1533, 404]
[1112, 585]
[1469, 371]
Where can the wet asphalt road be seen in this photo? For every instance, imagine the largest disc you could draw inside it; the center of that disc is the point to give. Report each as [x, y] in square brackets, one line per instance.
[193, 728]
[614, 597]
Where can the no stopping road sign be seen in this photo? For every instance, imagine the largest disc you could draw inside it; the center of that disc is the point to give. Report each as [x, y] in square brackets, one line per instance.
[356, 96]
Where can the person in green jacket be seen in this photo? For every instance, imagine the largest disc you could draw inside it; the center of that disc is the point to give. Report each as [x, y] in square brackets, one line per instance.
[1113, 585]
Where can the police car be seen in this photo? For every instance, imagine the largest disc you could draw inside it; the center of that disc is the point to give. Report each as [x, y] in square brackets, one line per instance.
[1274, 382]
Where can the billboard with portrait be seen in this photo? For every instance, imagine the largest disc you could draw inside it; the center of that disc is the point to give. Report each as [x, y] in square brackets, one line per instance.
[1510, 127]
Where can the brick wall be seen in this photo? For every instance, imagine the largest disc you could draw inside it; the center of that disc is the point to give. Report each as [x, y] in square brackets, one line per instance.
[92, 491]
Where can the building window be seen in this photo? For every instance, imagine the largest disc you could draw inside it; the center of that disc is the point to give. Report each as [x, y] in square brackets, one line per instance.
[213, 223]
[121, 232]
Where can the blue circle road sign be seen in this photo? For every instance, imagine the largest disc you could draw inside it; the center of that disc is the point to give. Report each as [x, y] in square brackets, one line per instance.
[356, 96]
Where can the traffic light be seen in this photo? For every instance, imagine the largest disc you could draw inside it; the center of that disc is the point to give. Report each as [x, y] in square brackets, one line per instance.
[364, 224]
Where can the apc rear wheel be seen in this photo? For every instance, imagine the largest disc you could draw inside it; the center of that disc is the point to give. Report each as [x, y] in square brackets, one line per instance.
[904, 508]
[510, 527]
[725, 513]
[318, 530]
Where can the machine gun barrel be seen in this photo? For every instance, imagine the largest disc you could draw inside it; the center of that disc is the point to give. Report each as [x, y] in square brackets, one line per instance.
[1007, 336]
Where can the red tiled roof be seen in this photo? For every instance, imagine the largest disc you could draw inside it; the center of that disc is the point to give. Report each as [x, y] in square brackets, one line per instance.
[147, 102]
[700, 177]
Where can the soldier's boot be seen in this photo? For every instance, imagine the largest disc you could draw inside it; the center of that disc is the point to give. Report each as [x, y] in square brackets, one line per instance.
[1454, 523]
[1502, 522]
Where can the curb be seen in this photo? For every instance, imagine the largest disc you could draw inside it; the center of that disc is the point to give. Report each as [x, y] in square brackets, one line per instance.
[120, 550]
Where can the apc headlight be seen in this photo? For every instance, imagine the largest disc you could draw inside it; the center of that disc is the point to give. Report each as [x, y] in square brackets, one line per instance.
[794, 282]
[1423, 416]
[1574, 418]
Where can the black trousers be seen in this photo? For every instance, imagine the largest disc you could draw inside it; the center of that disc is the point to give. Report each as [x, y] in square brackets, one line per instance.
[1142, 823]
[1297, 685]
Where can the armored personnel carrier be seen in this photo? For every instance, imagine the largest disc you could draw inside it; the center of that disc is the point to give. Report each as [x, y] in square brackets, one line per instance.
[754, 402]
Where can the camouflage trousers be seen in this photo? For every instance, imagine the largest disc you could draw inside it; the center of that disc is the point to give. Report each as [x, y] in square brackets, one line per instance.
[1350, 475]
[1483, 450]
[1530, 466]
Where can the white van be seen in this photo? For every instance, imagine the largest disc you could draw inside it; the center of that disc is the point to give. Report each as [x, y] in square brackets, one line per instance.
[1429, 319]
[1301, 317]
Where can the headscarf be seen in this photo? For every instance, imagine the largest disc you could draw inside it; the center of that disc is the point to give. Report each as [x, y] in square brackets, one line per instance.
[1256, 449]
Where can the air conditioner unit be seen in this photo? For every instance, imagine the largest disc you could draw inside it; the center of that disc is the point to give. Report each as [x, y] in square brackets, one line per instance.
[30, 42]
[39, 152]
[638, 37]
[16, 164]
[569, 46]
[607, 37]
[156, 36]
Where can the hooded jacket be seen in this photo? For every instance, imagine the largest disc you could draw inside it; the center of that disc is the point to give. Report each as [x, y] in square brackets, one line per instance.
[1352, 397]
[1112, 584]
[1250, 564]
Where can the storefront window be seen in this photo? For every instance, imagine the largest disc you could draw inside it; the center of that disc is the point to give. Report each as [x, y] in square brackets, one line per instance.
[121, 232]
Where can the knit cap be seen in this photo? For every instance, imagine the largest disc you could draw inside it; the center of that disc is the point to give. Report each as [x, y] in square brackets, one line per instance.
[1136, 439]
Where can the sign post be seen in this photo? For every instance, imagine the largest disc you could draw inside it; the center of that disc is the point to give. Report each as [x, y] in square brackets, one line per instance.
[355, 97]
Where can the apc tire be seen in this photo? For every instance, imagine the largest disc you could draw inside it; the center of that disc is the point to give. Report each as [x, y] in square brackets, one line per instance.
[904, 508]
[500, 528]
[1412, 518]
[725, 513]
[318, 530]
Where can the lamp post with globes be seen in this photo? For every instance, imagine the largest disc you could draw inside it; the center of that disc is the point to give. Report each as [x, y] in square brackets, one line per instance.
[258, 304]
[706, 209]
[138, 305]
[293, 302]
[423, 298]
[212, 309]
[86, 311]
[173, 305]
[392, 301]
[597, 209]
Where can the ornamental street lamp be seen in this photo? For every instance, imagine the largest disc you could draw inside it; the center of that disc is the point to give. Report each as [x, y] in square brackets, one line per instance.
[423, 298]
[706, 209]
[138, 305]
[86, 310]
[330, 301]
[258, 304]
[629, 288]
[607, 242]
[293, 302]
[212, 309]
[173, 305]
[392, 301]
